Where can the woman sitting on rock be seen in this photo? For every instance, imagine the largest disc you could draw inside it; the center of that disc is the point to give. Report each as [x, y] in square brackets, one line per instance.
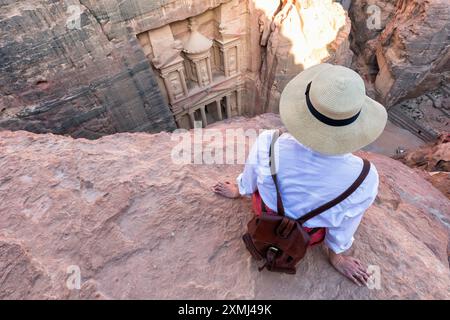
[327, 115]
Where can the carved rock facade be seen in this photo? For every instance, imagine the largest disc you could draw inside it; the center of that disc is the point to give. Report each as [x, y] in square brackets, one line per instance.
[90, 68]
[199, 63]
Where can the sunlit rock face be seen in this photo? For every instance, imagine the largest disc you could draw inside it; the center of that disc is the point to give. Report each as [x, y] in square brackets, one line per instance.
[295, 36]
[99, 74]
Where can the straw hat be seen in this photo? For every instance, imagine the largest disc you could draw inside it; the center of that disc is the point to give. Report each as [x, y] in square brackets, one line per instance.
[326, 109]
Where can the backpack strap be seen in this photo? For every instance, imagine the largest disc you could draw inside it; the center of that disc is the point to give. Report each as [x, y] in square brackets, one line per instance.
[273, 170]
[344, 195]
[364, 172]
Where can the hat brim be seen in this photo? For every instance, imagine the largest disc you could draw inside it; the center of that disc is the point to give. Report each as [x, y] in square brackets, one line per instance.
[323, 138]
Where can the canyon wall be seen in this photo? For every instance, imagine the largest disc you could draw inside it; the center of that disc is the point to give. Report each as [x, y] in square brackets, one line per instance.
[58, 77]
[402, 51]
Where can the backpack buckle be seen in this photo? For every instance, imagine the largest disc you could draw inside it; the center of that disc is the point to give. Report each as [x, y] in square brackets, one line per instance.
[274, 249]
[270, 258]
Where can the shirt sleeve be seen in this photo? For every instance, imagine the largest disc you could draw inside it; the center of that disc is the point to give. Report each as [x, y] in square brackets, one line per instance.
[340, 238]
[247, 180]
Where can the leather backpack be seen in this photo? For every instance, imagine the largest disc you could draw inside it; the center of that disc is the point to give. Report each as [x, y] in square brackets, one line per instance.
[281, 242]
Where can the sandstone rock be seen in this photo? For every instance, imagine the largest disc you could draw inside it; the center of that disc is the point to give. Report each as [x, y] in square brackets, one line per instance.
[441, 180]
[430, 157]
[139, 226]
[406, 54]
[21, 276]
[369, 18]
[413, 50]
[64, 71]
[426, 116]
[435, 160]
[401, 50]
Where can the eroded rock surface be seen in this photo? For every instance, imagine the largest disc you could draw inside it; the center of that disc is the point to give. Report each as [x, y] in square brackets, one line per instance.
[433, 160]
[405, 44]
[402, 51]
[139, 226]
[426, 116]
[76, 67]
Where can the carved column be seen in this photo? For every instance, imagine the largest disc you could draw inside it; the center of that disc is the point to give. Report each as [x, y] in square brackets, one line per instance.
[192, 119]
[204, 120]
[225, 61]
[228, 102]
[219, 110]
[239, 101]
[168, 86]
[199, 75]
[230, 55]
[183, 81]
[208, 66]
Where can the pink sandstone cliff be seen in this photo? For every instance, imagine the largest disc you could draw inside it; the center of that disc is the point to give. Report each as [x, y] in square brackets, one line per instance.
[139, 226]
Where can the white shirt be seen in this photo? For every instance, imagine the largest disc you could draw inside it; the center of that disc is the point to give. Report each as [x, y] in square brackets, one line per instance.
[308, 179]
